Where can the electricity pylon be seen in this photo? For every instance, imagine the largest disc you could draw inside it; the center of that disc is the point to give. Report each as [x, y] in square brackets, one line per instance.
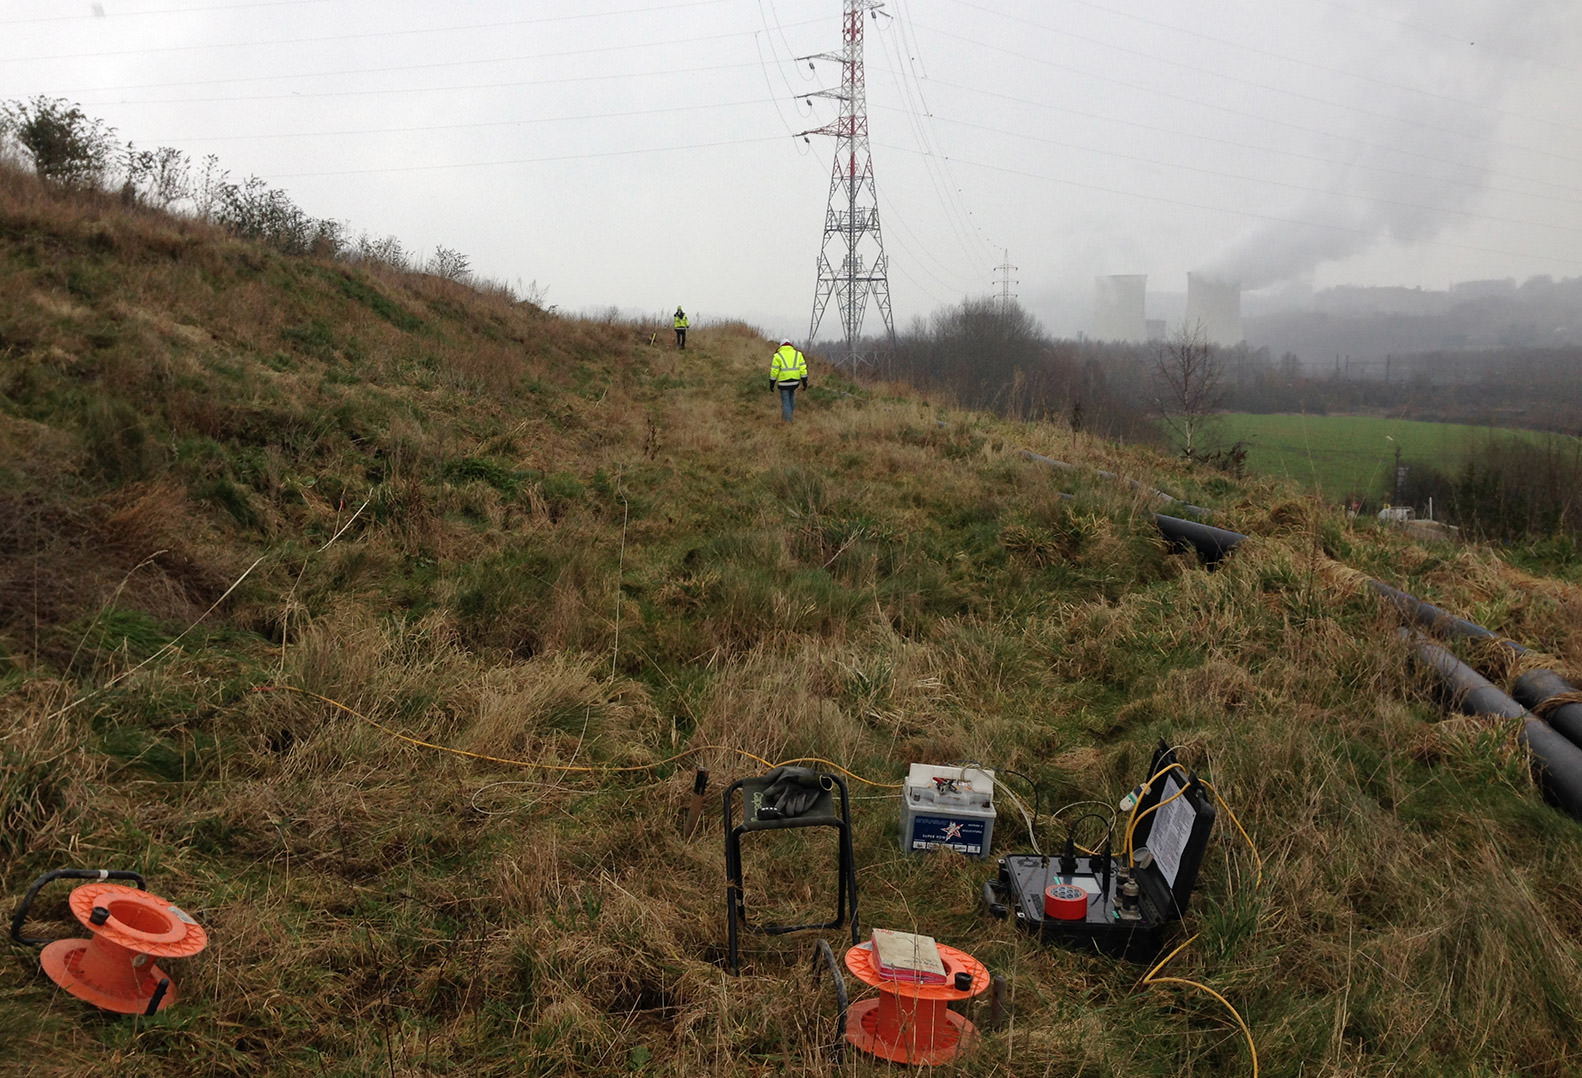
[1007, 297]
[860, 268]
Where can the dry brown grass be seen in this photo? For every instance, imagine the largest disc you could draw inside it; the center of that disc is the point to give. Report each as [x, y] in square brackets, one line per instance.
[635, 570]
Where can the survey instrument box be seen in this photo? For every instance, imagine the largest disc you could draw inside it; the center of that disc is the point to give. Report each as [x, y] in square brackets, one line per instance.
[1120, 906]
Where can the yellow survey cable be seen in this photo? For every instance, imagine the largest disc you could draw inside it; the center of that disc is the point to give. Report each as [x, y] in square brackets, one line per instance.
[1159, 965]
[1133, 818]
[1251, 845]
[1252, 1048]
[1137, 817]
[568, 768]
[1152, 978]
[837, 767]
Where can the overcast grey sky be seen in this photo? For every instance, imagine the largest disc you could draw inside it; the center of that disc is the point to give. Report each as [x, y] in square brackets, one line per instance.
[638, 154]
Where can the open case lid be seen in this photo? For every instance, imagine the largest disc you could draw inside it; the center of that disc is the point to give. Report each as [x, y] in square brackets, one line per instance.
[1179, 816]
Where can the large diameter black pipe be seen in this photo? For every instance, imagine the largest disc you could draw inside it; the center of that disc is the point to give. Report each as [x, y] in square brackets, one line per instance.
[1531, 690]
[1211, 543]
[1558, 762]
[1469, 691]
[1435, 619]
[1537, 687]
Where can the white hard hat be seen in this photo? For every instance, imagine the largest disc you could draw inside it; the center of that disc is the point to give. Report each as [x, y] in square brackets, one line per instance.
[786, 341]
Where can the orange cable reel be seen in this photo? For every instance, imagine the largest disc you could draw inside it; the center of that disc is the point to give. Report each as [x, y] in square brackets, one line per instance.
[114, 969]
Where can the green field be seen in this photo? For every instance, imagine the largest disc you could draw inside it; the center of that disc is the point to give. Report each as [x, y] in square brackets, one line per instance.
[1348, 455]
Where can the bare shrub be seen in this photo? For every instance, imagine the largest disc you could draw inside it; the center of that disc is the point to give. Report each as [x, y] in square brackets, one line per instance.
[449, 264]
[387, 252]
[157, 178]
[253, 210]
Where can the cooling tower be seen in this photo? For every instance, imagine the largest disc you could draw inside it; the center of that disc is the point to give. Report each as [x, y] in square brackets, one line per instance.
[1215, 306]
[1118, 307]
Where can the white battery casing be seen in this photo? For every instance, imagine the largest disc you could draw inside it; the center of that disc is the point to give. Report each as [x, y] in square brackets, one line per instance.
[948, 807]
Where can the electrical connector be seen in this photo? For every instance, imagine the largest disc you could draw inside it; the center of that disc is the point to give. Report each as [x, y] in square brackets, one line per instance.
[1128, 896]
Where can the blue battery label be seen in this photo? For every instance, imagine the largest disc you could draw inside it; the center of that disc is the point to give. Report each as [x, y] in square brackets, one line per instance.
[963, 836]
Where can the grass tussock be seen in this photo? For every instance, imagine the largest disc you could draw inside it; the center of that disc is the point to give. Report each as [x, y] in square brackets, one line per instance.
[383, 622]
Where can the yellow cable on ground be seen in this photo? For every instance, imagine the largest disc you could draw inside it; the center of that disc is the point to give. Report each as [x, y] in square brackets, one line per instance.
[1135, 817]
[578, 768]
[1251, 1047]
[837, 767]
[1159, 965]
[1152, 978]
[1256, 856]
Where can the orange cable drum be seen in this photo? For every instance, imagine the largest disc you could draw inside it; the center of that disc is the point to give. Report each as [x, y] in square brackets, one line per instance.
[910, 1022]
[113, 969]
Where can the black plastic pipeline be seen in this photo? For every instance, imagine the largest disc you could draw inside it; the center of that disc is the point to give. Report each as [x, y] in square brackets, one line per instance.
[1531, 690]
[1435, 619]
[1537, 687]
[1211, 543]
[1557, 761]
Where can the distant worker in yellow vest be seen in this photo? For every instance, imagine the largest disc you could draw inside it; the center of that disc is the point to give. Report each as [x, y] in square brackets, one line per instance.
[681, 328]
[787, 371]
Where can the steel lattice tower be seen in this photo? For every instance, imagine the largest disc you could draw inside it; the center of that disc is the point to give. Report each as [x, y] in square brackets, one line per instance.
[1007, 297]
[851, 222]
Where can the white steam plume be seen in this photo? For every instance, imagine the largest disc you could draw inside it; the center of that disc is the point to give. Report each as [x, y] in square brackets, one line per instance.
[1412, 173]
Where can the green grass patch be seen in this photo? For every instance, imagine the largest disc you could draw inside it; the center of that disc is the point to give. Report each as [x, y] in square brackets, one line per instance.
[1345, 456]
[354, 287]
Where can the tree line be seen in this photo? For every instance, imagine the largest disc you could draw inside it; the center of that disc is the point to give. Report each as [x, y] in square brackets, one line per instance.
[994, 356]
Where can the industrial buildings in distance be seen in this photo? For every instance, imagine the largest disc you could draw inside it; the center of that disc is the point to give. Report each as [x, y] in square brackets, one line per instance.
[1213, 307]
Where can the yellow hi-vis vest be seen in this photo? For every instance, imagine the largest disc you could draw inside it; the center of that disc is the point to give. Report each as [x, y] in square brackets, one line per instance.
[681, 320]
[789, 366]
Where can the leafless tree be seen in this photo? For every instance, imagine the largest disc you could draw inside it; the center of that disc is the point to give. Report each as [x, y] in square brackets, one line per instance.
[450, 264]
[1187, 384]
[157, 178]
[387, 252]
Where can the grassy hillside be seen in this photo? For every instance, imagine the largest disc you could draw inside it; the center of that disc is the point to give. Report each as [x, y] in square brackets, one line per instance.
[382, 625]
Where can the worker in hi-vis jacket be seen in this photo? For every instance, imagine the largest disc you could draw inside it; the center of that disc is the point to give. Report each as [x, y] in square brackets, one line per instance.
[787, 371]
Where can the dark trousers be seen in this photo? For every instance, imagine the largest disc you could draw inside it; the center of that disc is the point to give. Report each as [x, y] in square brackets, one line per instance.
[787, 402]
[681, 338]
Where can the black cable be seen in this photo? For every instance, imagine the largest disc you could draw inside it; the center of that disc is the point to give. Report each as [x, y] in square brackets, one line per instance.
[1031, 785]
[1109, 828]
[64, 874]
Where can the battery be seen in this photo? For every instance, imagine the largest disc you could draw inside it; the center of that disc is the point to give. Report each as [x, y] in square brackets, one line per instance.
[948, 807]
